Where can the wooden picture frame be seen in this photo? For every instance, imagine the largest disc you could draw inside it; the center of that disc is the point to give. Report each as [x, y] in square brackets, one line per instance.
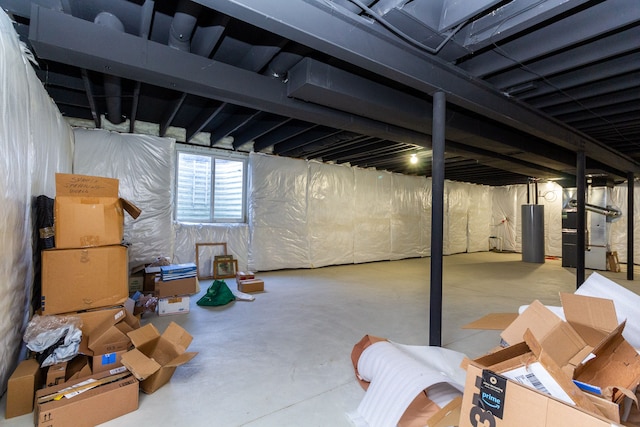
[225, 268]
[201, 264]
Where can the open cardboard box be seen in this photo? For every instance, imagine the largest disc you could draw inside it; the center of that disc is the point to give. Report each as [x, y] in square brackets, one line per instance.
[156, 357]
[493, 400]
[587, 350]
[588, 347]
[88, 211]
[105, 330]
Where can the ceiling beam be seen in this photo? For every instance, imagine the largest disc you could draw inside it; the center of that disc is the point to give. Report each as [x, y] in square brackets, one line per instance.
[134, 58]
[351, 38]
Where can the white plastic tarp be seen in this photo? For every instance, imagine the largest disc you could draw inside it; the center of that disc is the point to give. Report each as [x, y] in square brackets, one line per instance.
[406, 224]
[236, 237]
[331, 205]
[35, 142]
[504, 217]
[278, 213]
[372, 225]
[144, 165]
[618, 230]
[479, 218]
[456, 207]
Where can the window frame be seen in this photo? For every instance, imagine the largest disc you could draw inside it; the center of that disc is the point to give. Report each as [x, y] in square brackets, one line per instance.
[214, 154]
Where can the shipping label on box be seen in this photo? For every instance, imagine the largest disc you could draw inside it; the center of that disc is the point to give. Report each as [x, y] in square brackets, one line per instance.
[173, 305]
[83, 279]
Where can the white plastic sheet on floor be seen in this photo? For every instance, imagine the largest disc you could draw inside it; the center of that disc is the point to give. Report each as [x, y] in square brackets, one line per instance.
[35, 142]
[144, 165]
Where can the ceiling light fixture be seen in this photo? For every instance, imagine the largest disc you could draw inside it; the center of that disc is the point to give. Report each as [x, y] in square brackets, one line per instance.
[414, 159]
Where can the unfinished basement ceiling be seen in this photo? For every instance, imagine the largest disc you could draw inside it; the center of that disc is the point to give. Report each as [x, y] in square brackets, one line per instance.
[528, 83]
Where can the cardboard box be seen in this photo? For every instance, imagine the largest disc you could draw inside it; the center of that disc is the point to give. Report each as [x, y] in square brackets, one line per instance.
[100, 398]
[88, 211]
[156, 357]
[21, 388]
[78, 367]
[492, 400]
[56, 374]
[251, 285]
[173, 305]
[83, 279]
[176, 287]
[150, 274]
[107, 362]
[105, 330]
[588, 347]
[136, 283]
[241, 275]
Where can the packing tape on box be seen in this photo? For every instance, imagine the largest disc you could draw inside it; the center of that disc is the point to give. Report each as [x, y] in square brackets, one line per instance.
[398, 373]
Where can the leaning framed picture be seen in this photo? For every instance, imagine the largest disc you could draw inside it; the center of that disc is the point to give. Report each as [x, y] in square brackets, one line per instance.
[224, 268]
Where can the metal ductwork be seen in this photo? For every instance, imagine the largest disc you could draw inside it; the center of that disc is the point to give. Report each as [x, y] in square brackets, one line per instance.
[112, 84]
[183, 25]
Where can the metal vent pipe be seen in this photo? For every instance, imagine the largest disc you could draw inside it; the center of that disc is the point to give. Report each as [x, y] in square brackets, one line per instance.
[112, 84]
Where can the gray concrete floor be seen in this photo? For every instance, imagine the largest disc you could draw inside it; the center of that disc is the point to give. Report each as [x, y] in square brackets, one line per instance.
[284, 359]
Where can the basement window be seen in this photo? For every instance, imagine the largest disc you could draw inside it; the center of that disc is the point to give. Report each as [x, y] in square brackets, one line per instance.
[210, 187]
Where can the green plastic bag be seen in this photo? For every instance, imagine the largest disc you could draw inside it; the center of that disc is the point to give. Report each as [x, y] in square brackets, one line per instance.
[217, 294]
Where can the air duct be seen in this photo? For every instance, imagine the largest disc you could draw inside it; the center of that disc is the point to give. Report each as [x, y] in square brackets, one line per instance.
[112, 84]
[183, 24]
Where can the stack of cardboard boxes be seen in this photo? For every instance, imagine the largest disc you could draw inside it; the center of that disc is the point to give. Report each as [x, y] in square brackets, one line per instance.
[247, 282]
[86, 276]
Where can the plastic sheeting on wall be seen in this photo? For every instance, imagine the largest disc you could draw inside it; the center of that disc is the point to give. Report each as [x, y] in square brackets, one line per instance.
[479, 222]
[504, 216]
[36, 142]
[618, 230]
[144, 165]
[456, 217]
[372, 225]
[406, 218]
[278, 213]
[331, 204]
[236, 236]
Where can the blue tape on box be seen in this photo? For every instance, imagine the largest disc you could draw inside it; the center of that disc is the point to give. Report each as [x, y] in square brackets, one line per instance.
[108, 359]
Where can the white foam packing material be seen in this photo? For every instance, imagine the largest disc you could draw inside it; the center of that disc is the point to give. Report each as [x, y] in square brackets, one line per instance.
[398, 373]
[35, 142]
[144, 165]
